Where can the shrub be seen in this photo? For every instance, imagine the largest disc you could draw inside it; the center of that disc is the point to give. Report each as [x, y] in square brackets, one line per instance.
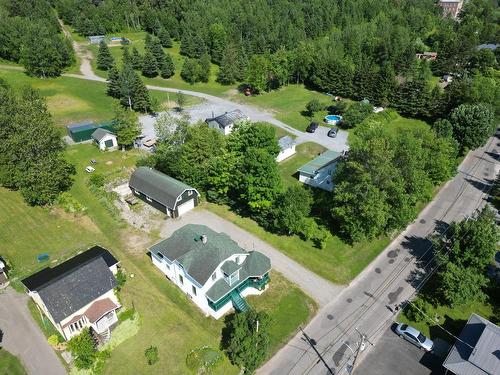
[102, 356]
[69, 203]
[127, 314]
[53, 340]
[97, 180]
[313, 106]
[203, 360]
[413, 313]
[151, 355]
[121, 279]
[83, 349]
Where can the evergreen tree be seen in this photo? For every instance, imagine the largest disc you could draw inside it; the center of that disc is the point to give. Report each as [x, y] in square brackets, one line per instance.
[157, 51]
[190, 71]
[164, 37]
[148, 40]
[104, 59]
[149, 65]
[113, 81]
[136, 59]
[229, 70]
[40, 54]
[126, 59]
[204, 68]
[126, 81]
[127, 125]
[187, 44]
[218, 41]
[141, 101]
[167, 68]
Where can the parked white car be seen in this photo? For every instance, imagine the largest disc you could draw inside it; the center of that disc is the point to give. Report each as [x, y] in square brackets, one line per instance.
[414, 336]
[89, 169]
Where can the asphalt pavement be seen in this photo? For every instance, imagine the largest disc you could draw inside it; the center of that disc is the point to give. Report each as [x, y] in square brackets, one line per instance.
[367, 304]
[23, 338]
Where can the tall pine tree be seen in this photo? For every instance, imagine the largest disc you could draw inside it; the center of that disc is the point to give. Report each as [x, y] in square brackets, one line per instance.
[164, 37]
[149, 65]
[104, 59]
[204, 67]
[167, 68]
[136, 59]
[113, 80]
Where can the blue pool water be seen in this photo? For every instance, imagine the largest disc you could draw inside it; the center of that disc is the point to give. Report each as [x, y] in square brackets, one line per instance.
[332, 119]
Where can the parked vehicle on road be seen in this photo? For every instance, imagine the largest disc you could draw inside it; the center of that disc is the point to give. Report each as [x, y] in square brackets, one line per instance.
[414, 336]
[312, 127]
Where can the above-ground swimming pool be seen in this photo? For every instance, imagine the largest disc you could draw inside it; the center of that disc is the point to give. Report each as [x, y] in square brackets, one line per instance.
[332, 119]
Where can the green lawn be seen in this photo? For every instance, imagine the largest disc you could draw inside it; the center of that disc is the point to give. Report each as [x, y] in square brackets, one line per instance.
[452, 319]
[169, 320]
[72, 100]
[10, 365]
[287, 306]
[288, 167]
[289, 103]
[137, 39]
[338, 262]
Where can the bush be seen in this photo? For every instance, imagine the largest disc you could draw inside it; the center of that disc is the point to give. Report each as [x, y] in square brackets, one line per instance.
[313, 106]
[413, 313]
[102, 356]
[203, 360]
[53, 340]
[69, 203]
[151, 355]
[121, 279]
[83, 349]
[126, 315]
[97, 180]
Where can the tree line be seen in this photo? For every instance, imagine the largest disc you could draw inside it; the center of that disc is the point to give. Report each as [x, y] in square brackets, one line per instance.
[31, 151]
[31, 35]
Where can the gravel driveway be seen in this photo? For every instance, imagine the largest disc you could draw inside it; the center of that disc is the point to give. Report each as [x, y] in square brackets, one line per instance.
[23, 338]
[321, 290]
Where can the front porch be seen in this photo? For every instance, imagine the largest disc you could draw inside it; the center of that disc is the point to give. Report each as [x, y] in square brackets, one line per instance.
[235, 294]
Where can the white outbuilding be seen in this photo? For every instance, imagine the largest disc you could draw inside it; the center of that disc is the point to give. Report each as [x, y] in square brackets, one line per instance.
[287, 148]
[105, 139]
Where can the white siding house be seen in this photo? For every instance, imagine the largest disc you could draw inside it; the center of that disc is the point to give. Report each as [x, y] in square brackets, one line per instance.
[105, 139]
[287, 148]
[225, 122]
[211, 269]
[318, 172]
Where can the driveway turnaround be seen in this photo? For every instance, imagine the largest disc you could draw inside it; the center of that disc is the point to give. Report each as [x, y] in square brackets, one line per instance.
[367, 306]
[23, 338]
[315, 286]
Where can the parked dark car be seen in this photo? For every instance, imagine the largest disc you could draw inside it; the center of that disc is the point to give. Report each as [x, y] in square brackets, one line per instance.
[332, 133]
[312, 127]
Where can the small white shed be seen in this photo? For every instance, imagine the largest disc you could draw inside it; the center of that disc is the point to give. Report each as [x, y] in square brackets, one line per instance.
[105, 139]
[287, 148]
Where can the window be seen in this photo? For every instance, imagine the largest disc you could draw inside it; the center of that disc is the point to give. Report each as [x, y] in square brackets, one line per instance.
[194, 289]
[214, 275]
[160, 255]
[190, 192]
[148, 199]
[181, 279]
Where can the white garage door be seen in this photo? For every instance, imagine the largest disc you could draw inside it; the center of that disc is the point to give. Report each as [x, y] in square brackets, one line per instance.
[185, 207]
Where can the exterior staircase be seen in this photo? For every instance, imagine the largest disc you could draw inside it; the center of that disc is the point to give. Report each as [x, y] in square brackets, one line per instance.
[239, 302]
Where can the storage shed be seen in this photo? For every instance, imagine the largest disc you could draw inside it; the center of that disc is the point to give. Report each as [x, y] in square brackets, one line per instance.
[105, 139]
[163, 192]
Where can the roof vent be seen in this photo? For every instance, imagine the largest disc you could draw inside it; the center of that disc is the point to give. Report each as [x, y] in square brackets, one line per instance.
[204, 238]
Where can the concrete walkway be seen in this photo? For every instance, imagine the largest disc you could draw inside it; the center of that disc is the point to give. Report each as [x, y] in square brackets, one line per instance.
[23, 338]
[313, 285]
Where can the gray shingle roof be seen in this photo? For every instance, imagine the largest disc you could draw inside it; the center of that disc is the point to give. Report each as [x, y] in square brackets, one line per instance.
[100, 133]
[199, 260]
[230, 267]
[478, 350]
[228, 118]
[76, 288]
[158, 186]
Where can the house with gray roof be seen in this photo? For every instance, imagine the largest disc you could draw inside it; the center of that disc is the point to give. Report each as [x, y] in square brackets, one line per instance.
[319, 171]
[225, 122]
[211, 269]
[477, 350]
[163, 192]
[105, 139]
[287, 148]
[78, 293]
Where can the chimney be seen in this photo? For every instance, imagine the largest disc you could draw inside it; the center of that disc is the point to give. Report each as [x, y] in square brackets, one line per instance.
[204, 238]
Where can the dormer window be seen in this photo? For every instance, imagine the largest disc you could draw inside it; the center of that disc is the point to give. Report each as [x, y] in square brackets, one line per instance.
[233, 278]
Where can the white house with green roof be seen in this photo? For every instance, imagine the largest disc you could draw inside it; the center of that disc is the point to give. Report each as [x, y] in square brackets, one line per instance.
[318, 172]
[211, 268]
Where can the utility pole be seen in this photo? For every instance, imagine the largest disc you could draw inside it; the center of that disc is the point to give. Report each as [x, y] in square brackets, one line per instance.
[361, 347]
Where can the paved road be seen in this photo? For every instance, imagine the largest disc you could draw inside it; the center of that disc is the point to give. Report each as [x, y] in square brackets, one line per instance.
[23, 338]
[316, 287]
[389, 279]
[394, 356]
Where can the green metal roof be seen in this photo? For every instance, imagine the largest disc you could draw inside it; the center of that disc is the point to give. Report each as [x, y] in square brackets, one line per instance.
[319, 162]
[198, 259]
[230, 267]
[255, 265]
[157, 185]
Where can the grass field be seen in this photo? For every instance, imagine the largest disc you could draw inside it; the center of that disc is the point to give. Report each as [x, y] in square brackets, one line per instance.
[288, 167]
[72, 100]
[338, 262]
[10, 365]
[169, 320]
